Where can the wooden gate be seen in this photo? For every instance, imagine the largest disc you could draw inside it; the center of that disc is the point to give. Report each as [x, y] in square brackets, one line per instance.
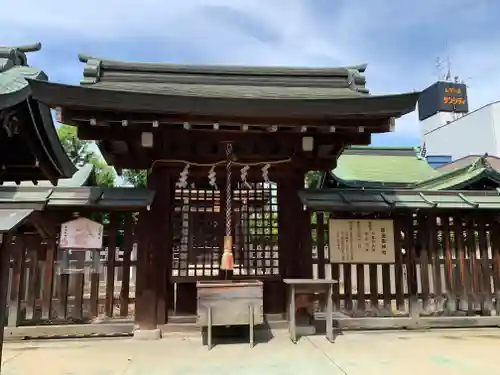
[199, 228]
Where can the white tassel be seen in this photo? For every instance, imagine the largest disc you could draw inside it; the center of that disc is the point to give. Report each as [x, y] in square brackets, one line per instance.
[212, 177]
[183, 177]
[244, 175]
[265, 173]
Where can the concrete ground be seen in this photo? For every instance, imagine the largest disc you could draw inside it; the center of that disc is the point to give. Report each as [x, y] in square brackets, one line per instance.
[447, 352]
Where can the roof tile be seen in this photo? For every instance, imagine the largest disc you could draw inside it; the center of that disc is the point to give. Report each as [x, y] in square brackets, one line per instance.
[382, 166]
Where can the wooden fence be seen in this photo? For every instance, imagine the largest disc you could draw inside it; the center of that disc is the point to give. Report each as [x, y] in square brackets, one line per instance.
[445, 266]
[38, 294]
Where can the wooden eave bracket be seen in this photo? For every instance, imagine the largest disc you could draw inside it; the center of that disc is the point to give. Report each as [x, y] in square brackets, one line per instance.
[43, 223]
[427, 200]
[468, 201]
[386, 199]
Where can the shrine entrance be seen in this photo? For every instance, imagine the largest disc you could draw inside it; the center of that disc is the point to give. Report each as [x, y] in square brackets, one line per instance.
[280, 123]
[199, 226]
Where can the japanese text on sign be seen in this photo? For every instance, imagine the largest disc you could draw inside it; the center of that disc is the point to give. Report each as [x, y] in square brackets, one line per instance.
[81, 233]
[361, 241]
[453, 100]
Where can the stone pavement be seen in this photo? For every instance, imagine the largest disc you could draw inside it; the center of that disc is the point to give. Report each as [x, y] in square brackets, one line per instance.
[446, 352]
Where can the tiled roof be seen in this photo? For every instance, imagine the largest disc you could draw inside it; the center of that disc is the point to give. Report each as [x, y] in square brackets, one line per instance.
[225, 81]
[376, 200]
[29, 147]
[95, 197]
[381, 167]
[277, 92]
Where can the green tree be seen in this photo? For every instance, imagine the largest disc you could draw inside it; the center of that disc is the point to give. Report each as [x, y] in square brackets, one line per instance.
[135, 177]
[313, 179]
[80, 153]
[105, 175]
[77, 150]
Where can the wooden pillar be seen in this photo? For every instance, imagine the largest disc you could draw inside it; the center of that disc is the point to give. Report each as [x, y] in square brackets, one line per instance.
[154, 255]
[163, 185]
[146, 294]
[286, 254]
[291, 221]
[4, 281]
[294, 228]
[17, 287]
[48, 279]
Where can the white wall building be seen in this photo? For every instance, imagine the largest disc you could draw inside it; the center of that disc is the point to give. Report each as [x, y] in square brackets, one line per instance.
[474, 133]
[447, 128]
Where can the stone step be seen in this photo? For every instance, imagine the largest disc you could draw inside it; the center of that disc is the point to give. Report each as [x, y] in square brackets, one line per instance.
[187, 323]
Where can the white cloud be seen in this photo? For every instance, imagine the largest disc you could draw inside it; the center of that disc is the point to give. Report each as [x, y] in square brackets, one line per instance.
[279, 32]
[478, 64]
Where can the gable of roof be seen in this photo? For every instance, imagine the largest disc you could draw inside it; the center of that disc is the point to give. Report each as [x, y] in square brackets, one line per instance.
[493, 161]
[466, 172]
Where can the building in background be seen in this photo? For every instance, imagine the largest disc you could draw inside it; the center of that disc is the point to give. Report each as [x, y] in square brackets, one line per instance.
[437, 161]
[448, 131]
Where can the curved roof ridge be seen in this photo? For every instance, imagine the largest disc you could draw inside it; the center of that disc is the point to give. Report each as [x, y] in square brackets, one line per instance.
[228, 68]
[99, 70]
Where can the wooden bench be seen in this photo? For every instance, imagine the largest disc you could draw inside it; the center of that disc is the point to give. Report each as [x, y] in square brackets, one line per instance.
[301, 287]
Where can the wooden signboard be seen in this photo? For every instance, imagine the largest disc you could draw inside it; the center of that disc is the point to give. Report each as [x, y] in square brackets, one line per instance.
[81, 233]
[361, 241]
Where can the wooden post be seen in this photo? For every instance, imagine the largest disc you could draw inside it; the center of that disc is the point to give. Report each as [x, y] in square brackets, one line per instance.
[162, 210]
[33, 250]
[18, 281]
[146, 290]
[485, 266]
[495, 244]
[294, 241]
[292, 218]
[4, 281]
[154, 256]
[285, 238]
[48, 278]
[128, 243]
[110, 266]
[302, 227]
[411, 267]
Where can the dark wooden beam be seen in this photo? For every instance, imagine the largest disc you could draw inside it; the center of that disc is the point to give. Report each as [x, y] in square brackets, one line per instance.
[117, 132]
[208, 147]
[212, 152]
[235, 124]
[198, 146]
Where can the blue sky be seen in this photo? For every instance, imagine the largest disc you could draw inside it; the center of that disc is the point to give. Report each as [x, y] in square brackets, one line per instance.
[399, 39]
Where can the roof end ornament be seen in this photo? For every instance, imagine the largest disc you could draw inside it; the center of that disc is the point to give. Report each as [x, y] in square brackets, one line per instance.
[16, 55]
[92, 70]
